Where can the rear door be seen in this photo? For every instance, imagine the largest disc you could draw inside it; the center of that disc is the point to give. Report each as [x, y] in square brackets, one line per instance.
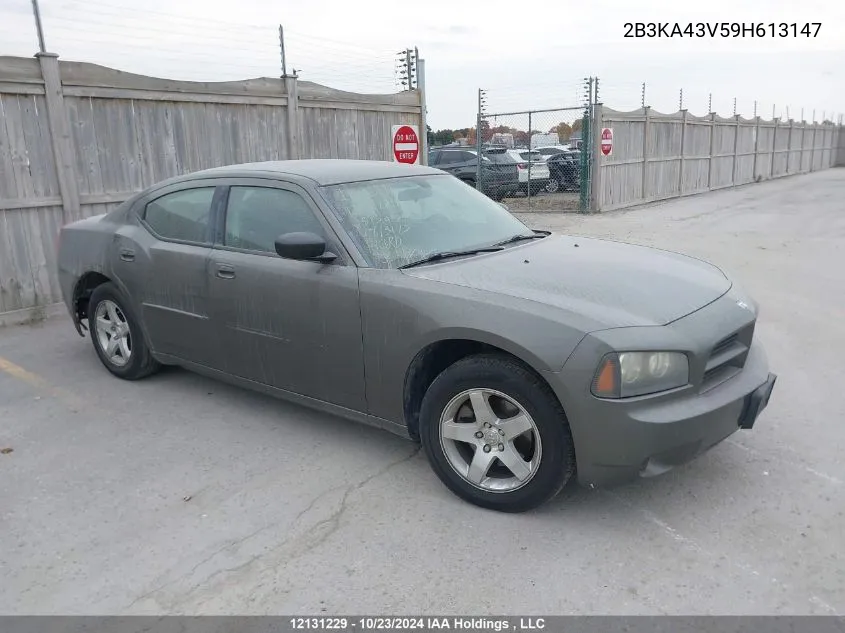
[161, 263]
[294, 325]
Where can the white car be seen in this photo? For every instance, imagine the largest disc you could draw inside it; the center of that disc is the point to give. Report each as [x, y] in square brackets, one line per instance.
[538, 169]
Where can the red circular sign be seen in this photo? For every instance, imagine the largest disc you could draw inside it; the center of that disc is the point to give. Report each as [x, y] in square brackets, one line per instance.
[406, 145]
[606, 141]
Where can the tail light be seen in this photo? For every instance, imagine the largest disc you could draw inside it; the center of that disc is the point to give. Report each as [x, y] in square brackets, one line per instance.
[522, 165]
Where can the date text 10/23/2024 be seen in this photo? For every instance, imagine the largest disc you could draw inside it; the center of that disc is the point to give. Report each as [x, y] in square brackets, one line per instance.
[388, 624]
[721, 29]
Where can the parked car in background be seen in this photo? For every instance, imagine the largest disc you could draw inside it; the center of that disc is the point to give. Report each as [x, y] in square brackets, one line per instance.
[542, 140]
[537, 175]
[499, 173]
[564, 171]
[551, 150]
[396, 296]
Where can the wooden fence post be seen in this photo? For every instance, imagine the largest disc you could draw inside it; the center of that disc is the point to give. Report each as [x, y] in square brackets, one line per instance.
[646, 131]
[681, 165]
[736, 148]
[789, 146]
[756, 147]
[712, 143]
[63, 151]
[774, 146]
[813, 148]
[292, 91]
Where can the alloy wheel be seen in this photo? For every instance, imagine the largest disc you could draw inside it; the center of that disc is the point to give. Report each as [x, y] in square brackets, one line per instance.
[113, 333]
[490, 440]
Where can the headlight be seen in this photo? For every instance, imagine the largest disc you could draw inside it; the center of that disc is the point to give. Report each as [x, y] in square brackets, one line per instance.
[626, 374]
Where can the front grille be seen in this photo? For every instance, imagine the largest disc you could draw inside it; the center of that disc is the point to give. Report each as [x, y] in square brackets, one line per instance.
[724, 344]
[727, 357]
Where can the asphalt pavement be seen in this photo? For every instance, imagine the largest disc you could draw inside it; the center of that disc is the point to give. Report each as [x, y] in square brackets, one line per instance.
[181, 495]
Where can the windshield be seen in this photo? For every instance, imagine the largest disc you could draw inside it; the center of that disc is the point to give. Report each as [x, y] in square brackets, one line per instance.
[398, 221]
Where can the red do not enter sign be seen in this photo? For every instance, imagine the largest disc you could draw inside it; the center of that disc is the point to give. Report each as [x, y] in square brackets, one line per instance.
[607, 141]
[406, 145]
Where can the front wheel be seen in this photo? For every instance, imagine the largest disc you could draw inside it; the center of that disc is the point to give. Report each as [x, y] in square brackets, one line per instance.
[552, 186]
[495, 434]
[117, 336]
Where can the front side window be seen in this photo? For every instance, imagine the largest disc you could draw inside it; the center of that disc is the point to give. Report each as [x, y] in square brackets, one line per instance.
[256, 216]
[398, 221]
[182, 215]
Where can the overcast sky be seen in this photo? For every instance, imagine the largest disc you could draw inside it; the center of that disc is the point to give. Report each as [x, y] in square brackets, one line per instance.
[525, 54]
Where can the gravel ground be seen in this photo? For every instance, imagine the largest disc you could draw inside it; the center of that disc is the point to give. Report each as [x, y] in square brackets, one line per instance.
[179, 494]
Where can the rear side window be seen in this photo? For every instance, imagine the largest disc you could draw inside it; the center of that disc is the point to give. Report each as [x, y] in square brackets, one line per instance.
[501, 158]
[451, 158]
[182, 215]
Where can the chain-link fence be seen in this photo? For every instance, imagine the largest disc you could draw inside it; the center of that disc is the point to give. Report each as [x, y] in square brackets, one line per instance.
[535, 160]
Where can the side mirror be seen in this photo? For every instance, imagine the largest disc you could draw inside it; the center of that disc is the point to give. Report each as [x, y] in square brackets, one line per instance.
[308, 246]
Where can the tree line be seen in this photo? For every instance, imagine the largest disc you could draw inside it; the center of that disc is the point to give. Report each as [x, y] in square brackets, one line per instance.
[520, 137]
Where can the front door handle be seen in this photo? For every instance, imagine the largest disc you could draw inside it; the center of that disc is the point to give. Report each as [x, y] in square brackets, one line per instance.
[127, 254]
[225, 271]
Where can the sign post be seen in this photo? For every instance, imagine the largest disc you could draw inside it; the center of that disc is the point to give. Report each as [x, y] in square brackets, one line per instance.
[406, 144]
[607, 141]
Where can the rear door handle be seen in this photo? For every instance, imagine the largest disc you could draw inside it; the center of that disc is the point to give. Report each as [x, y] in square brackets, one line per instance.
[127, 254]
[225, 271]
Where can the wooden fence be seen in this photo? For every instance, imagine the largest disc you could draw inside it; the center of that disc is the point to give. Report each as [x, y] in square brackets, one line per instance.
[659, 156]
[77, 139]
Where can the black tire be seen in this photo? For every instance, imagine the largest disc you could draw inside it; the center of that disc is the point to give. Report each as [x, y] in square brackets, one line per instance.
[141, 363]
[510, 377]
[553, 186]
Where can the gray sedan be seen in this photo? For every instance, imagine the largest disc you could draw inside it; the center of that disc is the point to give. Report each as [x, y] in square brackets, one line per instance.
[400, 297]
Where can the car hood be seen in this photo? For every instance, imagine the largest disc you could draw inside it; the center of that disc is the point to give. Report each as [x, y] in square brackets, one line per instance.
[612, 283]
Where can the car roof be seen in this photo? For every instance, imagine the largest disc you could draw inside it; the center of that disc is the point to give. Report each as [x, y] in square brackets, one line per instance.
[323, 171]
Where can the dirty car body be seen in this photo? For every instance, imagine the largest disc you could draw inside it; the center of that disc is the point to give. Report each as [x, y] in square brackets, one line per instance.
[400, 297]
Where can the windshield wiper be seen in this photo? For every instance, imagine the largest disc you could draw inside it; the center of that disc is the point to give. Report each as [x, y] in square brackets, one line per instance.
[447, 254]
[520, 237]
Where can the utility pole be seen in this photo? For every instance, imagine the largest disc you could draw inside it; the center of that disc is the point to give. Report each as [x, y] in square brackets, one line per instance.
[282, 48]
[37, 14]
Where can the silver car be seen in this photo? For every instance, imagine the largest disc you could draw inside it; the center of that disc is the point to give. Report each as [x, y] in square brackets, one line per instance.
[400, 297]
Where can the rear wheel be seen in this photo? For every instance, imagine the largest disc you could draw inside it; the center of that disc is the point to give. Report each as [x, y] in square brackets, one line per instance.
[553, 185]
[495, 434]
[116, 335]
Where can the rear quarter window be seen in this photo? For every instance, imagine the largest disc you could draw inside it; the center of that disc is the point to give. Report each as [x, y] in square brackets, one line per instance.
[182, 215]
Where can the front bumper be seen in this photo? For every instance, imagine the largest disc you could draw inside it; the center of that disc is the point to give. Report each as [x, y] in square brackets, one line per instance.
[619, 440]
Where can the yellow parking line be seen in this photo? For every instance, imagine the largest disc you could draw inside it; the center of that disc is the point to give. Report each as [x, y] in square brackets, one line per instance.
[36, 381]
[22, 374]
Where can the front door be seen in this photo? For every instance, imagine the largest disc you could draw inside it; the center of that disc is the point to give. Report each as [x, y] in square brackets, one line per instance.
[295, 325]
